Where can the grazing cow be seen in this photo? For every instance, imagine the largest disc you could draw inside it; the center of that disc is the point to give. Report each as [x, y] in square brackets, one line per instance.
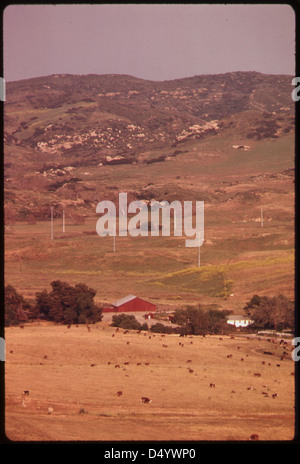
[117, 365]
[250, 388]
[242, 359]
[191, 371]
[212, 385]
[265, 394]
[93, 365]
[189, 361]
[229, 356]
[119, 393]
[45, 357]
[25, 392]
[109, 363]
[138, 364]
[278, 365]
[257, 374]
[165, 346]
[254, 436]
[147, 364]
[126, 363]
[274, 395]
[127, 343]
[144, 399]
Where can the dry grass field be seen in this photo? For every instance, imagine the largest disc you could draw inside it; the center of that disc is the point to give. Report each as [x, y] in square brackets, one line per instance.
[73, 382]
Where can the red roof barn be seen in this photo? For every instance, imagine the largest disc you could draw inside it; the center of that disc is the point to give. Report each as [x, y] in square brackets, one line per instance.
[131, 303]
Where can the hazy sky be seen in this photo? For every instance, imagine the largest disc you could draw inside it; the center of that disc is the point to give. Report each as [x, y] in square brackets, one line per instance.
[156, 42]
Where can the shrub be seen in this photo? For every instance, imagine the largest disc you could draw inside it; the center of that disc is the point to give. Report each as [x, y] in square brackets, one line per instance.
[161, 328]
[126, 321]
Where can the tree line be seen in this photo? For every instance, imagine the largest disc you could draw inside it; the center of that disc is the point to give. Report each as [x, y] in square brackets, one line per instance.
[69, 304]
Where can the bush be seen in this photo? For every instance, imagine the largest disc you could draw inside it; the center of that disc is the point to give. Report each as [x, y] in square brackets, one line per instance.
[126, 321]
[161, 328]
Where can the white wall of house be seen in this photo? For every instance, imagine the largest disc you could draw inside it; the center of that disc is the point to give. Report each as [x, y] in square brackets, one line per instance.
[240, 322]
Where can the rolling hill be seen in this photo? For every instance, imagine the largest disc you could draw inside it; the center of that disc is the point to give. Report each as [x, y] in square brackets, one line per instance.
[72, 141]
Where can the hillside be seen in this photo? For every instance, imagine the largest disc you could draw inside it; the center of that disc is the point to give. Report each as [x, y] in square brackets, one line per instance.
[228, 139]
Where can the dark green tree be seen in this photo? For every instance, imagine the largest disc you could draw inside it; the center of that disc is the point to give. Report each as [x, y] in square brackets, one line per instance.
[275, 312]
[17, 309]
[68, 304]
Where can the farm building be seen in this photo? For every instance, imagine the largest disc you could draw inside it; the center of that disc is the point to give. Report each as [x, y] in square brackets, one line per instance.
[131, 303]
[239, 321]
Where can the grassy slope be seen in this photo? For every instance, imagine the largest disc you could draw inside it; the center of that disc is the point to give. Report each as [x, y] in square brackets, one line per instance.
[254, 259]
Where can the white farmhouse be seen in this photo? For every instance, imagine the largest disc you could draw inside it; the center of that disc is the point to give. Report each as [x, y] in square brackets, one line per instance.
[239, 321]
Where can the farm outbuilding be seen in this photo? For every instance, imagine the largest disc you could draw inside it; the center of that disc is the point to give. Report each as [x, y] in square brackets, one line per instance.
[131, 303]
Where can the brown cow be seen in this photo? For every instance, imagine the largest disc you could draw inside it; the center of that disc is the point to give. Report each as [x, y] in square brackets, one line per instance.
[144, 399]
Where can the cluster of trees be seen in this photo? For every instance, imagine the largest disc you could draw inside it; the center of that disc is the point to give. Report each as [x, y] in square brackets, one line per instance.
[276, 313]
[198, 321]
[75, 304]
[63, 304]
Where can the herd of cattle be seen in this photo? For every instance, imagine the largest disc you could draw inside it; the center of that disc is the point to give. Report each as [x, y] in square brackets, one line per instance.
[146, 400]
